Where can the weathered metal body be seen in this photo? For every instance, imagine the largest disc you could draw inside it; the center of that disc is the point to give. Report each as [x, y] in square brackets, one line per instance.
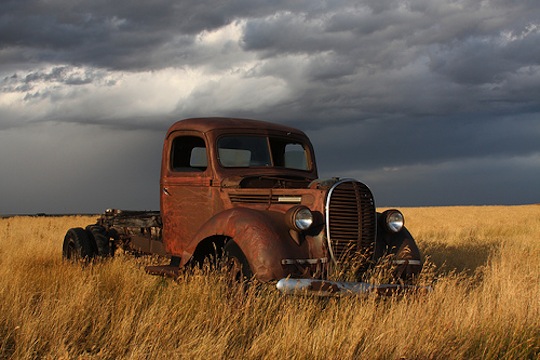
[244, 181]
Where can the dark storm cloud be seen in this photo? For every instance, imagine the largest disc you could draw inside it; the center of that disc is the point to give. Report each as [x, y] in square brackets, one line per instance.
[417, 97]
[393, 143]
[127, 35]
[66, 75]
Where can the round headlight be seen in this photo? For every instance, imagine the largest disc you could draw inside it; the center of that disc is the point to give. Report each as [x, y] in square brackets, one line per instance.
[394, 220]
[299, 218]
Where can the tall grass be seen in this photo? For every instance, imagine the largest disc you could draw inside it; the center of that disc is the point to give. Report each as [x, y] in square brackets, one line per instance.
[485, 263]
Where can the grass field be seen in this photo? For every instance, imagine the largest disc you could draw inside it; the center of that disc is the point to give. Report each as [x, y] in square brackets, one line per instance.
[483, 262]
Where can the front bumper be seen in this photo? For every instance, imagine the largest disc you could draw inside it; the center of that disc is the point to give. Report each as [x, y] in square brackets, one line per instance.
[327, 287]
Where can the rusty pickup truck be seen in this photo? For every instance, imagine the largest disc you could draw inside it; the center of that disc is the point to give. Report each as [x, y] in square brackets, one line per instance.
[247, 191]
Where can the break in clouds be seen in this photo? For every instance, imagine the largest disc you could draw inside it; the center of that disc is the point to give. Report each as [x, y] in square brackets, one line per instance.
[430, 102]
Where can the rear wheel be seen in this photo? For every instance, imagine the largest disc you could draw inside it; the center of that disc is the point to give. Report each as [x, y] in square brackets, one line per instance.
[78, 245]
[236, 261]
[101, 239]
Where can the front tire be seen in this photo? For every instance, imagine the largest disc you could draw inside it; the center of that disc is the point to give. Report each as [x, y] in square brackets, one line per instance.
[78, 245]
[237, 264]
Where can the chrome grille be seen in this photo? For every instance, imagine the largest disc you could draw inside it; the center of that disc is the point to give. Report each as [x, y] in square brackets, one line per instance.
[350, 220]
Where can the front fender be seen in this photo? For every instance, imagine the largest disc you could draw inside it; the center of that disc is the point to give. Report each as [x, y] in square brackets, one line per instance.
[401, 247]
[262, 236]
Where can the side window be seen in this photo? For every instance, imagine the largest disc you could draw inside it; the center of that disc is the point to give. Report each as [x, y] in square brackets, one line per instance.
[188, 154]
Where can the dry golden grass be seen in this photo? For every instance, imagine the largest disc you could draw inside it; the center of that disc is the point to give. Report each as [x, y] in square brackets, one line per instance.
[484, 261]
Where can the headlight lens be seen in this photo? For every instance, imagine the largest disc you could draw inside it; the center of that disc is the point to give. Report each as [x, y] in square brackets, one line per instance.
[299, 218]
[394, 220]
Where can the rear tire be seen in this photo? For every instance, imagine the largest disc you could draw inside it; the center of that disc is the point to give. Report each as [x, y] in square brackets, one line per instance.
[101, 239]
[78, 245]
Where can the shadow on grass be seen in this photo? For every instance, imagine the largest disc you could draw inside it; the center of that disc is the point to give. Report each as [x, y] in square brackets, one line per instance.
[466, 258]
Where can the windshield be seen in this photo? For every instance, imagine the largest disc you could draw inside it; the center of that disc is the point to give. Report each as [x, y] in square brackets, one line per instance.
[257, 151]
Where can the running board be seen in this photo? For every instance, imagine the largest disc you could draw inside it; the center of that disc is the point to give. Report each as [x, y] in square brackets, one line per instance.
[172, 270]
[163, 270]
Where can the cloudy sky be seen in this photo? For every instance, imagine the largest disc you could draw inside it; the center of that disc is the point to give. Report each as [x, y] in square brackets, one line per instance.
[429, 102]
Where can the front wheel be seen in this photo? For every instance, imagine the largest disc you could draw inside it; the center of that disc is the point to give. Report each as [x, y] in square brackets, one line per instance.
[78, 245]
[237, 264]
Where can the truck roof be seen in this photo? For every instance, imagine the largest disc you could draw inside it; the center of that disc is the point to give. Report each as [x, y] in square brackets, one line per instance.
[222, 123]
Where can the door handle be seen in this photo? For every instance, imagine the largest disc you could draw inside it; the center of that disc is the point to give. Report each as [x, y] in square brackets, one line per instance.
[166, 191]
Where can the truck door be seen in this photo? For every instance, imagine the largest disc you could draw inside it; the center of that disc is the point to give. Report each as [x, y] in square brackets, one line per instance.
[186, 194]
